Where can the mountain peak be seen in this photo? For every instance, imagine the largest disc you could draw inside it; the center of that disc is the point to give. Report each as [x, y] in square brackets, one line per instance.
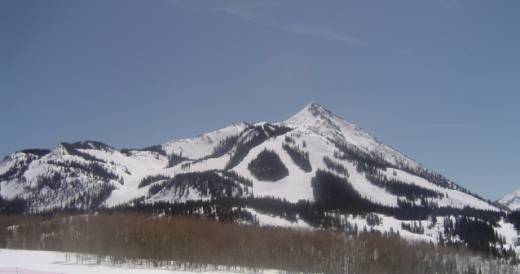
[311, 113]
[317, 110]
[319, 119]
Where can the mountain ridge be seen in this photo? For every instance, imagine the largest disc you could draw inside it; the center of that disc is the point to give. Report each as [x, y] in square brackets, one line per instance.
[511, 200]
[316, 122]
[312, 170]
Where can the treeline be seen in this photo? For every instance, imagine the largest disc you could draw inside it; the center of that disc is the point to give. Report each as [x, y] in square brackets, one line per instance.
[156, 149]
[328, 213]
[371, 162]
[333, 192]
[298, 156]
[335, 166]
[252, 137]
[185, 243]
[514, 218]
[148, 180]
[410, 191]
[19, 167]
[16, 205]
[478, 234]
[93, 169]
[72, 149]
[175, 159]
[36, 151]
[223, 147]
[90, 145]
[207, 184]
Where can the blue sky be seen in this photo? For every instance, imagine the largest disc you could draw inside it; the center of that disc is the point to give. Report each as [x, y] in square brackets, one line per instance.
[439, 79]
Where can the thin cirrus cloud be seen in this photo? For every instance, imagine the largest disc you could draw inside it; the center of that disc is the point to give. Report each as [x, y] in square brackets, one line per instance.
[248, 15]
[325, 33]
[462, 125]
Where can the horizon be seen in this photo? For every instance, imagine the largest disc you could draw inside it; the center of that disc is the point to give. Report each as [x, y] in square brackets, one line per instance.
[442, 91]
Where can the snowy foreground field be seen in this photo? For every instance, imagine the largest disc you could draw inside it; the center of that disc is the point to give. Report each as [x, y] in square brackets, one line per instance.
[48, 262]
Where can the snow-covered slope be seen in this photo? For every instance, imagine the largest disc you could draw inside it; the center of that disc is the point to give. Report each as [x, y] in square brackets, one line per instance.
[511, 200]
[218, 165]
[323, 122]
[51, 262]
[203, 145]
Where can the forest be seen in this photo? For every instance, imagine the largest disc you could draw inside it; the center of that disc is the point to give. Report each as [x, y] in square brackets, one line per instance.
[267, 166]
[159, 240]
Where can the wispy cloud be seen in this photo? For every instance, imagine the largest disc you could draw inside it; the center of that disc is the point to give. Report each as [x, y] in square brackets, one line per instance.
[248, 14]
[458, 125]
[241, 13]
[324, 33]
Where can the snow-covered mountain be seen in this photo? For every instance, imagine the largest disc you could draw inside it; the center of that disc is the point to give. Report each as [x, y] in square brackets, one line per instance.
[89, 174]
[313, 170]
[511, 200]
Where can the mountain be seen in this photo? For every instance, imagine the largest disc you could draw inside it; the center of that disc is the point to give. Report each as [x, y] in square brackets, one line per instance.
[314, 169]
[511, 200]
[89, 174]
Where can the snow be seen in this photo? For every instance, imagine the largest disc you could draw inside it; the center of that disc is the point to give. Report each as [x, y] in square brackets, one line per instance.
[174, 195]
[512, 200]
[367, 190]
[10, 189]
[314, 125]
[510, 234]
[388, 224]
[49, 262]
[139, 164]
[198, 166]
[322, 121]
[455, 198]
[200, 146]
[5, 166]
[296, 186]
[268, 220]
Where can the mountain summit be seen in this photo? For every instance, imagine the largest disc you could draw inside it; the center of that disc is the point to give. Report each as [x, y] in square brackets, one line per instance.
[321, 120]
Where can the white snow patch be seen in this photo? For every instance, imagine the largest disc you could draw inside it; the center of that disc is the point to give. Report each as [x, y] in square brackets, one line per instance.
[48, 262]
[269, 220]
[511, 200]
